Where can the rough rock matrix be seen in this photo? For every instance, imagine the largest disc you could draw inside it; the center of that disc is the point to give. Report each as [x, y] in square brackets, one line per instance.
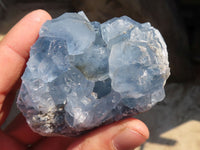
[83, 74]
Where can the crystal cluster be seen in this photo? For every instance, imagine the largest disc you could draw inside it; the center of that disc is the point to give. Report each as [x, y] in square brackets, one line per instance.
[84, 74]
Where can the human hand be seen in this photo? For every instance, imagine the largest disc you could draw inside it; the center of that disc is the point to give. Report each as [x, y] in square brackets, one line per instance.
[14, 52]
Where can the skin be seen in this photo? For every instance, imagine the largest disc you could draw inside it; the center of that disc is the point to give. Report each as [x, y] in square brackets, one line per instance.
[14, 53]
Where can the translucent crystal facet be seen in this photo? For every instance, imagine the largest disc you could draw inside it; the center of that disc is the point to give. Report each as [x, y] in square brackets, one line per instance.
[84, 74]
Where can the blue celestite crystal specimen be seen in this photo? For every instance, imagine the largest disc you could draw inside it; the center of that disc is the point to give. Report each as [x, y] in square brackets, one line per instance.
[84, 74]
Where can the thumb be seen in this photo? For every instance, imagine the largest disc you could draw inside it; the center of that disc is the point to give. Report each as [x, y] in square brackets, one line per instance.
[124, 135]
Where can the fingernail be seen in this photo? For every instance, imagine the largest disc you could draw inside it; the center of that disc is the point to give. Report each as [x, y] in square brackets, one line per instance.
[128, 139]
